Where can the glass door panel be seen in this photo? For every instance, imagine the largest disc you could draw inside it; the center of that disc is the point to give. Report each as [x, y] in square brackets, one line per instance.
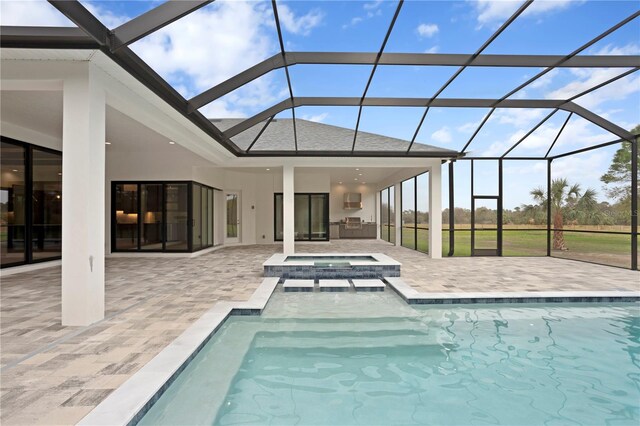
[12, 204]
[210, 217]
[177, 220]
[151, 216]
[278, 218]
[126, 221]
[197, 217]
[46, 234]
[205, 221]
[233, 217]
[319, 219]
[484, 223]
[301, 214]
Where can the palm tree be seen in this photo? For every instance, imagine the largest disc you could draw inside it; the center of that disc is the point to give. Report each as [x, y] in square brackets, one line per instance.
[565, 198]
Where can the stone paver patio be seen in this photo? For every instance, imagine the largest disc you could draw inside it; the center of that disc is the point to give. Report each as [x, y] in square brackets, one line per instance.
[55, 375]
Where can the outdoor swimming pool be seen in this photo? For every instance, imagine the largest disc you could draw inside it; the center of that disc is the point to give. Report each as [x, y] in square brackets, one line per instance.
[369, 358]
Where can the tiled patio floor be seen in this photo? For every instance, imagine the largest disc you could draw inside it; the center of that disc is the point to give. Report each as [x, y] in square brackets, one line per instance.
[55, 375]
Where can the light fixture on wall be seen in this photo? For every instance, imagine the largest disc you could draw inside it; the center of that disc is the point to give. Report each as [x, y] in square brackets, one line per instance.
[172, 143]
[107, 143]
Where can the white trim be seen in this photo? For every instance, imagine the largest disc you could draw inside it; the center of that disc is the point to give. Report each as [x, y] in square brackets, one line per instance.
[12, 270]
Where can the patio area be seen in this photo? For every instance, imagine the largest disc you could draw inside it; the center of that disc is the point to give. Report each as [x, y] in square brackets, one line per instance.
[55, 375]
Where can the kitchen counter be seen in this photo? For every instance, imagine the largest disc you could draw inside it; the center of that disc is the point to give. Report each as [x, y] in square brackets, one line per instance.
[340, 230]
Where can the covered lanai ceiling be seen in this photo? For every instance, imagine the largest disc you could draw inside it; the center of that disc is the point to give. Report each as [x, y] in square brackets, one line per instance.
[381, 71]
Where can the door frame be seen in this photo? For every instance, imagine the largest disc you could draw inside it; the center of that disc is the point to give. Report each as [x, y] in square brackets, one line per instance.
[487, 252]
[238, 238]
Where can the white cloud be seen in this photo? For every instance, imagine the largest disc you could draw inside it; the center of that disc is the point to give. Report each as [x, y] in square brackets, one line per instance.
[213, 44]
[577, 134]
[588, 78]
[427, 30]
[580, 168]
[468, 127]
[432, 49]
[371, 10]
[31, 13]
[609, 49]
[318, 118]
[494, 12]
[373, 5]
[442, 135]
[545, 80]
[300, 25]
[517, 117]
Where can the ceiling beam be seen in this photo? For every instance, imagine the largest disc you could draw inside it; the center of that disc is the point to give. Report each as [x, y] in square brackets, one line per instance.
[408, 59]
[286, 71]
[389, 102]
[598, 121]
[46, 38]
[154, 19]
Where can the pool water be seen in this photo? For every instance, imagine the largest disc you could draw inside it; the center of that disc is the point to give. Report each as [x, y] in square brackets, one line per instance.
[290, 259]
[370, 359]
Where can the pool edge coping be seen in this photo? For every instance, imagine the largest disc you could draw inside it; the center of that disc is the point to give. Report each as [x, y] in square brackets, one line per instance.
[128, 403]
[412, 297]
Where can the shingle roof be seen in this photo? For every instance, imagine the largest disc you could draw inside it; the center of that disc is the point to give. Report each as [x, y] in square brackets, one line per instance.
[313, 136]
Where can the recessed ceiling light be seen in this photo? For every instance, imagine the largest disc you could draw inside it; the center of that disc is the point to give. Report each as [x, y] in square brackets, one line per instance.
[340, 183]
[355, 178]
[107, 143]
[172, 143]
[359, 174]
[268, 169]
[357, 169]
[14, 170]
[364, 183]
[59, 174]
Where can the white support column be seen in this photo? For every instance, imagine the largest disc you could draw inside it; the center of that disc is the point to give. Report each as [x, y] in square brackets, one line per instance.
[397, 207]
[288, 214]
[83, 199]
[435, 212]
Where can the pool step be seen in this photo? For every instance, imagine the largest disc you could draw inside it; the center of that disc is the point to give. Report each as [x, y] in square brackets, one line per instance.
[368, 285]
[333, 285]
[298, 285]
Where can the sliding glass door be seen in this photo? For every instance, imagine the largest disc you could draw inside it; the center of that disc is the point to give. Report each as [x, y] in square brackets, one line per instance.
[30, 203]
[161, 216]
[311, 217]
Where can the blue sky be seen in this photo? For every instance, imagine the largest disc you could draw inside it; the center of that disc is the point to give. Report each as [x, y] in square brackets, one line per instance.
[226, 37]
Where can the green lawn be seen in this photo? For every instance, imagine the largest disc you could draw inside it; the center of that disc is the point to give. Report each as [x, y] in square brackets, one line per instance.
[609, 249]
